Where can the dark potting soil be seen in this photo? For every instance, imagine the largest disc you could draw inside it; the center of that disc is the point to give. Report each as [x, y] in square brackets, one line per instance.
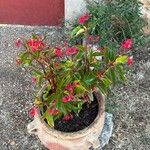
[86, 116]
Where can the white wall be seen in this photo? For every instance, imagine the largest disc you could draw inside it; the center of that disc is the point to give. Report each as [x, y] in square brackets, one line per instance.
[74, 9]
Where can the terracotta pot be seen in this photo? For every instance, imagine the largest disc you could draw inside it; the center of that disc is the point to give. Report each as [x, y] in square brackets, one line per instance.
[83, 139]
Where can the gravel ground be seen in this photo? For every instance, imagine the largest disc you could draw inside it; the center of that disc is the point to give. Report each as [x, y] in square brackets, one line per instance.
[131, 106]
[130, 103]
[16, 90]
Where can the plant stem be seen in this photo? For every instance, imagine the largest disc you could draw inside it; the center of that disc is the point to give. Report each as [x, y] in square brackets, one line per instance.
[47, 61]
[86, 51]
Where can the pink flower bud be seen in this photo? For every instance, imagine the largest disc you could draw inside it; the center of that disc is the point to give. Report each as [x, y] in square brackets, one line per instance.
[33, 111]
[34, 79]
[91, 38]
[56, 64]
[58, 52]
[97, 38]
[66, 44]
[127, 44]
[18, 43]
[84, 18]
[71, 51]
[68, 117]
[65, 99]
[53, 111]
[130, 60]
[18, 61]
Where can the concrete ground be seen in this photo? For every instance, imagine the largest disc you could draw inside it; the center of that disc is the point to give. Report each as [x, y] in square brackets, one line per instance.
[129, 104]
[16, 89]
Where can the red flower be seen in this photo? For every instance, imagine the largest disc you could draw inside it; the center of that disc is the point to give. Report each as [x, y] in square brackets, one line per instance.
[66, 44]
[33, 111]
[36, 45]
[34, 79]
[90, 46]
[53, 111]
[91, 38]
[127, 44]
[130, 60]
[18, 43]
[58, 52]
[54, 101]
[56, 64]
[86, 98]
[70, 98]
[83, 18]
[71, 51]
[67, 98]
[18, 61]
[97, 38]
[76, 84]
[67, 117]
[69, 87]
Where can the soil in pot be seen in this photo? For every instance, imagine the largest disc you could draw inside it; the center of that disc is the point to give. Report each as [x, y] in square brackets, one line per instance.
[86, 116]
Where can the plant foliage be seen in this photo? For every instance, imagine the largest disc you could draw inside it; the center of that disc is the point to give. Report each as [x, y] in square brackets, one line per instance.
[116, 20]
[72, 72]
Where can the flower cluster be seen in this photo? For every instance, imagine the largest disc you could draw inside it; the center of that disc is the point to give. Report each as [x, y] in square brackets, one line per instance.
[127, 44]
[35, 44]
[72, 72]
[84, 18]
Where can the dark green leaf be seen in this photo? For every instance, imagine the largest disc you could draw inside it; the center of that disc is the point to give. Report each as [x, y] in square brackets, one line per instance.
[89, 78]
[120, 71]
[49, 119]
[75, 30]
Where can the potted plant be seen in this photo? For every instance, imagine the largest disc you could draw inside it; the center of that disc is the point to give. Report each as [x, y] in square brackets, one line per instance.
[69, 108]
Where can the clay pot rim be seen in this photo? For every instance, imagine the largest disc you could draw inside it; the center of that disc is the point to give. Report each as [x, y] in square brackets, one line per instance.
[80, 133]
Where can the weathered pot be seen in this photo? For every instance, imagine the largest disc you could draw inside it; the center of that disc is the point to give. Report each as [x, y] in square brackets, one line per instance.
[83, 139]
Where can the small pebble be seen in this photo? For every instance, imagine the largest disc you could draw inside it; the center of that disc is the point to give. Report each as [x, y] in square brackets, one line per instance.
[12, 143]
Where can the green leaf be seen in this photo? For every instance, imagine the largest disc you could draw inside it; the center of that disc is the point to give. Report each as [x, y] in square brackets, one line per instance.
[121, 73]
[36, 72]
[97, 54]
[40, 80]
[80, 31]
[102, 87]
[60, 104]
[77, 76]
[34, 36]
[63, 81]
[69, 63]
[122, 59]
[27, 62]
[37, 101]
[49, 119]
[111, 54]
[51, 98]
[113, 76]
[89, 78]
[107, 82]
[80, 89]
[79, 56]
[24, 57]
[75, 30]
[80, 47]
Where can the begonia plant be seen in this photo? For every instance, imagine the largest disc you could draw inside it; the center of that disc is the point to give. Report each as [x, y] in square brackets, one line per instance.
[72, 72]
